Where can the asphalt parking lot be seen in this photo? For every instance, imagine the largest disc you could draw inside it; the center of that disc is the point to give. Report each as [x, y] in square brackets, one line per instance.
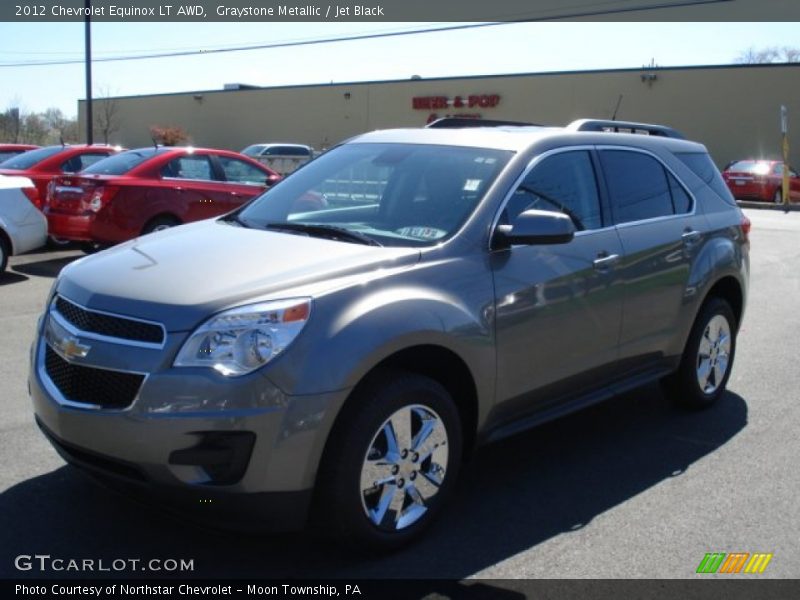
[631, 488]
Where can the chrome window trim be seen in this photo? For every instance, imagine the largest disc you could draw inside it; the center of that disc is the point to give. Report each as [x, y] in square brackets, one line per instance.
[62, 320]
[584, 147]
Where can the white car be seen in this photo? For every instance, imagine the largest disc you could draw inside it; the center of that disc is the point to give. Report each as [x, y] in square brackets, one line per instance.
[283, 158]
[22, 226]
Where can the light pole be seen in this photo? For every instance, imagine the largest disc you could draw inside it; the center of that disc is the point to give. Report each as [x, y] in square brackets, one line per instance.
[88, 35]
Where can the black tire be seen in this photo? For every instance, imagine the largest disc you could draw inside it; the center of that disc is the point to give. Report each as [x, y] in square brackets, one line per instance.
[160, 223]
[685, 385]
[5, 252]
[55, 243]
[341, 506]
[92, 247]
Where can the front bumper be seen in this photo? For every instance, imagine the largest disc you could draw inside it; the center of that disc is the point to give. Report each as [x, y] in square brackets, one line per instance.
[174, 411]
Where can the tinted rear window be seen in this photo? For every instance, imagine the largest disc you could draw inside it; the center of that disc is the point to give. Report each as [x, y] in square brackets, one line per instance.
[701, 165]
[30, 159]
[121, 163]
[638, 184]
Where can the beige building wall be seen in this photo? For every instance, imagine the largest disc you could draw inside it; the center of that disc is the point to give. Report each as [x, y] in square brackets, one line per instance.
[734, 110]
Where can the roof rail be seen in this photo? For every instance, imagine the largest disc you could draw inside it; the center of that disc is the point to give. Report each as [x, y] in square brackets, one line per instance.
[624, 127]
[457, 122]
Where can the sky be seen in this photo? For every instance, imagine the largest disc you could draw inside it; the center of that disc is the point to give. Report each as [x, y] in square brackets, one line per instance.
[507, 48]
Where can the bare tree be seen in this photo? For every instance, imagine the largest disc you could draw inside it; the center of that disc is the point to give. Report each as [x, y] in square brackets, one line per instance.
[34, 129]
[11, 124]
[106, 114]
[772, 54]
[48, 127]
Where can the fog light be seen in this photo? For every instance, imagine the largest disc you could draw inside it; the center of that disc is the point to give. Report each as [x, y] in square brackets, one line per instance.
[223, 455]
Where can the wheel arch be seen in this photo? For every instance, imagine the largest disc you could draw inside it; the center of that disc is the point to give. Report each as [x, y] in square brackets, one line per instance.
[7, 242]
[162, 215]
[440, 364]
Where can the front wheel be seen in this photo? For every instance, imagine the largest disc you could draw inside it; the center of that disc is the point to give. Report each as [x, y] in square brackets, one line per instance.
[708, 357]
[391, 462]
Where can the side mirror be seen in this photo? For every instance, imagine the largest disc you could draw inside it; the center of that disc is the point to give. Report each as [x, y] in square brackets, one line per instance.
[535, 227]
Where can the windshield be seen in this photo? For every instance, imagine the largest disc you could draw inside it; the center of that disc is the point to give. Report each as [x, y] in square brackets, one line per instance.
[253, 150]
[29, 159]
[395, 194]
[121, 163]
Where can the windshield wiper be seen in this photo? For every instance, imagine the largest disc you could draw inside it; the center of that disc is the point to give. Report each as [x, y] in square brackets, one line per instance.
[235, 219]
[330, 232]
[553, 202]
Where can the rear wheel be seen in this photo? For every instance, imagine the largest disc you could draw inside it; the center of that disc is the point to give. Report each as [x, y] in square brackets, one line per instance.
[56, 242]
[708, 357]
[92, 247]
[160, 224]
[391, 462]
[4, 253]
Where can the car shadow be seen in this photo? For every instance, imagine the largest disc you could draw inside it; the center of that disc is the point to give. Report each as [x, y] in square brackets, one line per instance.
[512, 495]
[9, 277]
[45, 268]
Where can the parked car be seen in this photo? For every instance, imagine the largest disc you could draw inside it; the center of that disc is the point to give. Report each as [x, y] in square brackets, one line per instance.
[283, 158]
[10, 150]
[41, 165]
[22, 225]
[344, 360]
[760, 180]
[150, 189]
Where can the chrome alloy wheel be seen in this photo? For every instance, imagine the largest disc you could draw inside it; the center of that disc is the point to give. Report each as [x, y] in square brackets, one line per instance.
[404, 467]
[713, 356]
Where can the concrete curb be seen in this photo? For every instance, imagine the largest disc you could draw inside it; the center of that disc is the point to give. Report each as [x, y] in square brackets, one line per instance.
[768, 206]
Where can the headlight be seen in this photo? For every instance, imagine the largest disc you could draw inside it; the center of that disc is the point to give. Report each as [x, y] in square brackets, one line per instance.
[240, 340]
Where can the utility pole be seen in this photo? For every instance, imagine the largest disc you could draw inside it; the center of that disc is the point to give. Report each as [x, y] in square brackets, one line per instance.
[785, 133]
[88, 32]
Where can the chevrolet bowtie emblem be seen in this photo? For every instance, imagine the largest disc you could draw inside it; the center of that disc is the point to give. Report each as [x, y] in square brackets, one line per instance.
[70, 348]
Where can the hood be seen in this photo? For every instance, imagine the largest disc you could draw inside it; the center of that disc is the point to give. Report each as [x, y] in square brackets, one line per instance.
[181, 276]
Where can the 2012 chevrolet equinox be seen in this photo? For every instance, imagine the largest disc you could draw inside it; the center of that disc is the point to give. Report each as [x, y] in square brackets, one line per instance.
[457, 285]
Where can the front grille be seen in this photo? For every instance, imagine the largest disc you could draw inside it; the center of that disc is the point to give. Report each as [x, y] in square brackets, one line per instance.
[118, 327]
[88, 385]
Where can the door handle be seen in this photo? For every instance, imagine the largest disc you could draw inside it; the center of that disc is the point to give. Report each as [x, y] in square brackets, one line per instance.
[690, 237]
[605, 261]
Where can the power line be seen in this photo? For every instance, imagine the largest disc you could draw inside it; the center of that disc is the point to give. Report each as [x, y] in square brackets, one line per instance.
[288, 44]
[139, 51]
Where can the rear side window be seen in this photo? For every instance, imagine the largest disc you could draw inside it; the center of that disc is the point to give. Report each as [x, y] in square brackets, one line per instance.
[189, 167]
[81, 162]
[701, 165]
[286, 151]
[638, 186]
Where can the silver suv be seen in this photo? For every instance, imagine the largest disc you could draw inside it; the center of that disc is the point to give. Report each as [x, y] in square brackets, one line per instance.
[457, 285]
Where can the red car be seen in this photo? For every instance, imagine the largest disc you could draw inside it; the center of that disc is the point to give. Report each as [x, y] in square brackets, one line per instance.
[42, 164]
[149, 189]
[11, 150]
[760, 180]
